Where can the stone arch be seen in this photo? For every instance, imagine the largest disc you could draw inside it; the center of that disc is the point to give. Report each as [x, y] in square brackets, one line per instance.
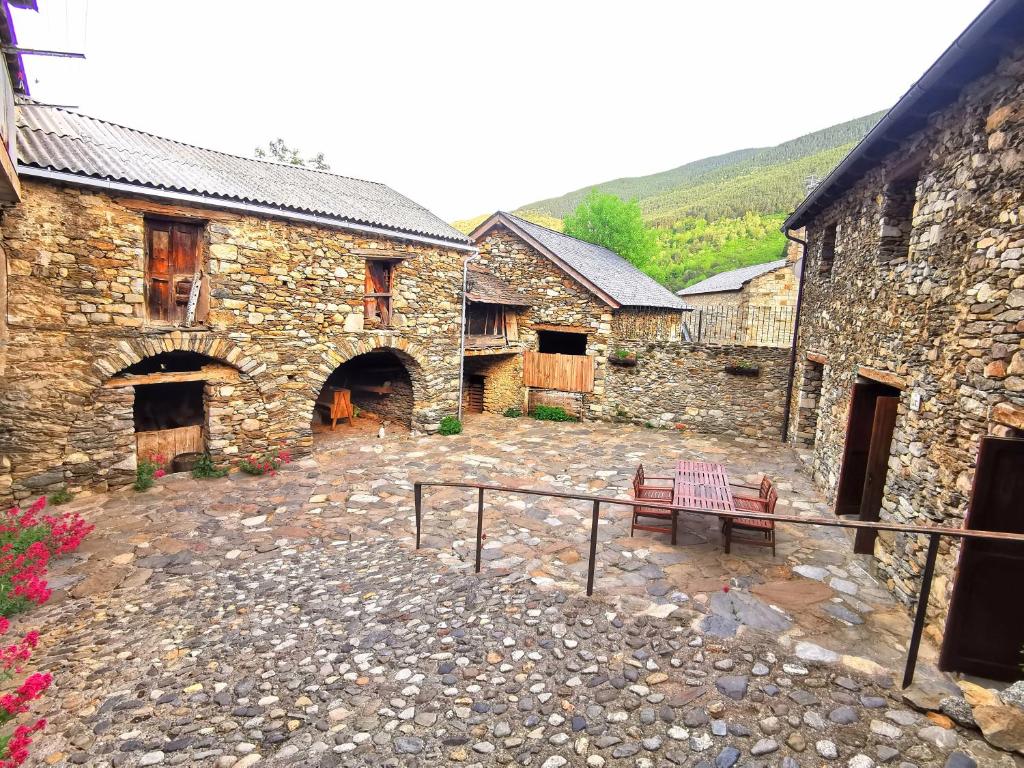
[100, 450]
[408, 352]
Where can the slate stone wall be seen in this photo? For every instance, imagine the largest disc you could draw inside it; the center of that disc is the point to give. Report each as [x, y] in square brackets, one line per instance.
[286, 310]
[934, 296]
[685, 386]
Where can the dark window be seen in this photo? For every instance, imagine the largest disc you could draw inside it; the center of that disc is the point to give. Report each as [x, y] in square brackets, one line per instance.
[172, 268]
[898, 217]
[380, 278]
[486, 320]
[168, 406]
[562, 342]
[828, 248]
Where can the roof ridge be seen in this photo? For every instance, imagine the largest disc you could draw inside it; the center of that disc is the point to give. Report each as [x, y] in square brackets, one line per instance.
[193, 146]
[571, 237]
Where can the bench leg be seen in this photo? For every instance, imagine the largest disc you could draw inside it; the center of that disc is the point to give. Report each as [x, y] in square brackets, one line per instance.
[675, 524]
[727, 535]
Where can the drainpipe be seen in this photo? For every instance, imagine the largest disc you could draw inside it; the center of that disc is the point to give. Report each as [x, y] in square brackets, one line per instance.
[796, 332]
[462, 333]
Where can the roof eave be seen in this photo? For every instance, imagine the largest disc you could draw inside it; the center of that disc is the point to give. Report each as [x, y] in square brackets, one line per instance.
[942, 78]
[205, 201]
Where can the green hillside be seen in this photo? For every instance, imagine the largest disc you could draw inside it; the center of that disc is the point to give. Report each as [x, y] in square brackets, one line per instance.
[681, 191]
[719, 213]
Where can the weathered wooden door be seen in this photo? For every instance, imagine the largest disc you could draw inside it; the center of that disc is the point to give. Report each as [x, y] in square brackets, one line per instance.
[855, 450]
[473, 401]
[171, 263]
[985, 629]
[876, 468]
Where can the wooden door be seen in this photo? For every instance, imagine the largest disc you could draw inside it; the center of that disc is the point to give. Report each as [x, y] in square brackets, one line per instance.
[171, 261]
[876, 469]
[985, 629]
[473, 398]
[855, 451]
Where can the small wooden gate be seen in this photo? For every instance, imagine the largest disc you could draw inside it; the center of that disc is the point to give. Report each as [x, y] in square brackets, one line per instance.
[473, 395]
[566, 373]
[170, 442]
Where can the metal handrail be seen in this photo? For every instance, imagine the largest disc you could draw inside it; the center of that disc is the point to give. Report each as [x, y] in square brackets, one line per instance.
[934, 534]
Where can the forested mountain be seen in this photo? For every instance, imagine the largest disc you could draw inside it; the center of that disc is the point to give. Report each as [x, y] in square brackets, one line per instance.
[719, 213]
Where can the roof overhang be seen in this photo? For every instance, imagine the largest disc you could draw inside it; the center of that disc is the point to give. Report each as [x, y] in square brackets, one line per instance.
[499, 219]
[996, 31]
[203, 201]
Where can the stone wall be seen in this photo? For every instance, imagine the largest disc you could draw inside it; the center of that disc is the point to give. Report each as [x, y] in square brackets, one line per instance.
[503, 380]
[939, 305]
[686, 384]
[286, 310]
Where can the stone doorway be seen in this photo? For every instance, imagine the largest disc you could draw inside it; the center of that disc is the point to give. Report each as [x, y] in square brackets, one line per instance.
[381, 390]
[809, 403]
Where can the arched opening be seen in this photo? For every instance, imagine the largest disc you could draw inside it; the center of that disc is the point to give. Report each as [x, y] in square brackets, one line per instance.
[170, 403]
[379, 386]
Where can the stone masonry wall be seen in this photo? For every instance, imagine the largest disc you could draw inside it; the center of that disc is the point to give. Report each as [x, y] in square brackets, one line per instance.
[945, 313]
[503, 380]
[286, 310]
[557, 299]
[686, 384]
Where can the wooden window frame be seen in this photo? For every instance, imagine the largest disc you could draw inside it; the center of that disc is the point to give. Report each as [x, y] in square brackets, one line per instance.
[493, 320]
[378, 295]
[172, 308]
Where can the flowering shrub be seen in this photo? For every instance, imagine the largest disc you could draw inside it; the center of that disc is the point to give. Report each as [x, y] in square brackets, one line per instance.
[267, 464]
[28, 539]
[148, 469]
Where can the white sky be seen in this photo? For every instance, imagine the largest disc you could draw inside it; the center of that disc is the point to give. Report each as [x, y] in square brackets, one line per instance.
[468, 107]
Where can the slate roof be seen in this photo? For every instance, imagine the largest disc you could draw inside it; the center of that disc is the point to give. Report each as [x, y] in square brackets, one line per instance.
[733, 280]
[485, 288]
[601, 267]
[60, 140]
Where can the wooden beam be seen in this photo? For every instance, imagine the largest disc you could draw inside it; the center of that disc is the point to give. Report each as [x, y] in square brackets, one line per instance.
[180, 212]
[41, 52]
[218, 373]
[562, 328]
[883, 377]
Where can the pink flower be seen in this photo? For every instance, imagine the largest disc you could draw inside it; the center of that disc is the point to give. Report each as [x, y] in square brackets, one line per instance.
[159, 473]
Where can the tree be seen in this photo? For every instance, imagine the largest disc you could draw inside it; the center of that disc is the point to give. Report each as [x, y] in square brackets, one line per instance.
[282, 153]
[606, 220]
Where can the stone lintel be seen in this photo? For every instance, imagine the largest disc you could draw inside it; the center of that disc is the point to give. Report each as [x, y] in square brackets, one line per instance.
[883, 377]
[1009, 415]
[817, 357]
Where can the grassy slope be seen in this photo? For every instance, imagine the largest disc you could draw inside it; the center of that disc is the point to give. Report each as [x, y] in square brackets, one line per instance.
[718, 213]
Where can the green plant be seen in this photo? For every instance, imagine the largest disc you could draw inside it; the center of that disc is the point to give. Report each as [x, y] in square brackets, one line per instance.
[649, 425]
[267, 464]
[622, 354]
[63, 496]
[551, 413]
[356, 411]
[147, 470]
[449, 426]
[512, 413]
[206, 469]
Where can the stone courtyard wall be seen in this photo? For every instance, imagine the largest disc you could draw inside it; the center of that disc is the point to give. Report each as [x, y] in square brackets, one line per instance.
[285, 311]
[941, 311]
[686, 384]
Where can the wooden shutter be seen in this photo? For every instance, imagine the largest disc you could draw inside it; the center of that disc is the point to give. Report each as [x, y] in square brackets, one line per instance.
[882, 427]
[172, 257]
[855, 450]
[378, 285]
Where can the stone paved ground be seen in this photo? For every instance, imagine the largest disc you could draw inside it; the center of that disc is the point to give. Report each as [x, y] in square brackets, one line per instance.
[285, 620]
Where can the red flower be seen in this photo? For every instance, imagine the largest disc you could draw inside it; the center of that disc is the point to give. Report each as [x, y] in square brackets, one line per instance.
[159, 473]
[725, 588]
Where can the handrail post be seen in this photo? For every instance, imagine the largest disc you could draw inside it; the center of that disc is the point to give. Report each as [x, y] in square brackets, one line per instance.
[922, 609]
[417, 494]
[593, 548]
[479, 526]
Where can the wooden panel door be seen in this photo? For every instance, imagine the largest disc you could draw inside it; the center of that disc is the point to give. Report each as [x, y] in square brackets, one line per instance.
[985, 629]
[855, 451]
[877, 467]
[172, 257]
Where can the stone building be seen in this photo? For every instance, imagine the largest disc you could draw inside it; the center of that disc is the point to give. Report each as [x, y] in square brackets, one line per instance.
[910, 363]
[160, 287]
[583, 309]
[773, 284]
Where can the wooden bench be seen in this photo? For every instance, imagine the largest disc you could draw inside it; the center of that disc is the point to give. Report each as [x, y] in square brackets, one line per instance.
[336, 403]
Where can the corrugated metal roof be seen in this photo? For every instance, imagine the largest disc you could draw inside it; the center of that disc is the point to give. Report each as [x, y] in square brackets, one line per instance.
[485, 288]
[602, 267]
[60, 140]
[733, 280]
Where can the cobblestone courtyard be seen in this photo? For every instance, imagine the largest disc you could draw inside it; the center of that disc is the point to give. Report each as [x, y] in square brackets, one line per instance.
[286, 620]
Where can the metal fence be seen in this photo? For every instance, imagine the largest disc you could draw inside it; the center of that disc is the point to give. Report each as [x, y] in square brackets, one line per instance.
[756, 326]
[934, 534]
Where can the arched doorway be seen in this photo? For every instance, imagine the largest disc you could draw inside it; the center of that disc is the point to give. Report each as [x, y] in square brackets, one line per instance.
[380, 386]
